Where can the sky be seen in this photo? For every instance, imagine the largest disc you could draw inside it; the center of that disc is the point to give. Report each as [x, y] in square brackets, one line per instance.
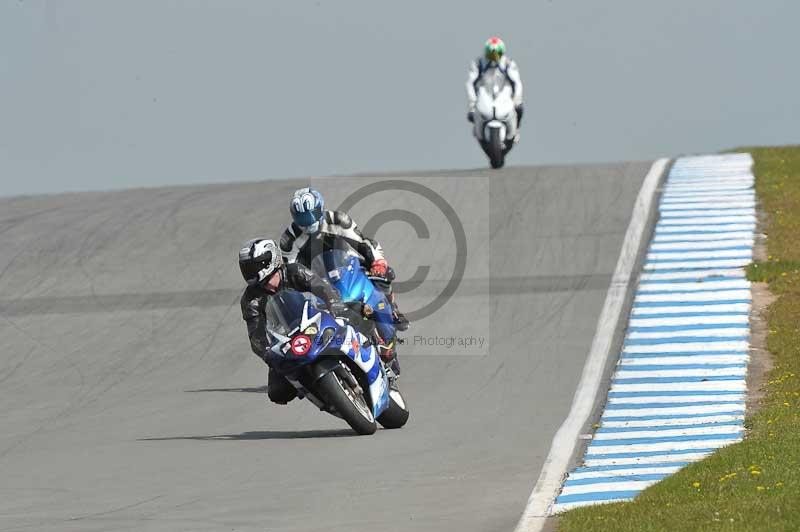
[108, 94]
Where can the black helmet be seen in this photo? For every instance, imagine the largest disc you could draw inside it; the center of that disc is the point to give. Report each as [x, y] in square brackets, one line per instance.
[259, 259]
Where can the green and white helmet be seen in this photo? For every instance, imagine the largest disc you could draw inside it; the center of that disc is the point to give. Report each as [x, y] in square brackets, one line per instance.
[494, 49]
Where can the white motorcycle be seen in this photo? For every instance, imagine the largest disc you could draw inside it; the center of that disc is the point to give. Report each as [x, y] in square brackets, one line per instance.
[495, 122]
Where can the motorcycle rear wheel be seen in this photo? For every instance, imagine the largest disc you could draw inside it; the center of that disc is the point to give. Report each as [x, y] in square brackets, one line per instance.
[396, 415]
[349, 403]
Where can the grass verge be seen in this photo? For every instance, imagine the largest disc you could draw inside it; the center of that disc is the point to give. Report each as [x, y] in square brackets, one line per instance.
[755, 484]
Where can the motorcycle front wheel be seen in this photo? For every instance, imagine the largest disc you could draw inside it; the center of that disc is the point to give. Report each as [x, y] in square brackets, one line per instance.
[348, 401]
[496, 149]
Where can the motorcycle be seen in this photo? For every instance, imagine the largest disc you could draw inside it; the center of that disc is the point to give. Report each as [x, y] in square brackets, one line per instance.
[344, 271]
[495, 122]
[331, 364]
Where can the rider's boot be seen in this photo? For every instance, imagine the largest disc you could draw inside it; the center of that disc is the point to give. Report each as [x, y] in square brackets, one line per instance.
[279, 390]
[392, 371]
[385, 350]
[400, 321]
[389, 357]
[388, 352]
[395, 367]
[385, 285]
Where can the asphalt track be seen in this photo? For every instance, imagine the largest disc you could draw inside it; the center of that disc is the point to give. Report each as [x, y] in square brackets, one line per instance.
[130, 400]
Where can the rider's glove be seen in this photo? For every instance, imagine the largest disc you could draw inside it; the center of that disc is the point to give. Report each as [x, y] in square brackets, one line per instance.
[519, 110]
[379, 268]
[471, 116]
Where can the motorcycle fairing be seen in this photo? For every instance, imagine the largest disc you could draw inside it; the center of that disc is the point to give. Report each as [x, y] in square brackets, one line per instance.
[346, 340]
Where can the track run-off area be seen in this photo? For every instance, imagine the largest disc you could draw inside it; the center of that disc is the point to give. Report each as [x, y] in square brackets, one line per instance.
[131, 400]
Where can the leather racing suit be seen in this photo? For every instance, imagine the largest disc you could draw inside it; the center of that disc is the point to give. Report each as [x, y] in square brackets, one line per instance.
[338, 231]
[508, 67]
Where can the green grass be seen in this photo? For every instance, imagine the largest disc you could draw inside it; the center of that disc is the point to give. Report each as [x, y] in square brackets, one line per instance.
[755, 484]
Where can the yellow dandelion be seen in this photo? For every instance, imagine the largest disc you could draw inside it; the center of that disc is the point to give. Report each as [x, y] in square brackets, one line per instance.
[695, 484]
[779, 484]
[755, 472]
[760, 488]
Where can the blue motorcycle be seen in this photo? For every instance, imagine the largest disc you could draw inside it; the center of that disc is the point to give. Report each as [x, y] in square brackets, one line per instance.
[331, 363]
[344, 271]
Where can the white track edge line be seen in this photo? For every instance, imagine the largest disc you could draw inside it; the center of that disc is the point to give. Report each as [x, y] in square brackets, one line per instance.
[565, 441]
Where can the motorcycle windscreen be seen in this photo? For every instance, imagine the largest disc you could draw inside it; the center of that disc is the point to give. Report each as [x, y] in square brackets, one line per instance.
[284, 310]
[343, 270]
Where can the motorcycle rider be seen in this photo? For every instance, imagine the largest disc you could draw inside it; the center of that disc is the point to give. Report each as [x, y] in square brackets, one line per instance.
[494, 57]
[314, 230]
[262, 267]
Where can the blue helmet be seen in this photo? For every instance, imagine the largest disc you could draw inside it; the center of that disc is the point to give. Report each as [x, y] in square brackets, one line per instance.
[307, 208]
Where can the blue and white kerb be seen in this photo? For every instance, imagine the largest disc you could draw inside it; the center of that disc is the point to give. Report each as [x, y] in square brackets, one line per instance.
[678, 392]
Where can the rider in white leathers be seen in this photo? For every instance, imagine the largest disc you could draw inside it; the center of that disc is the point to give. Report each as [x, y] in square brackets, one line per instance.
[494, 58]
